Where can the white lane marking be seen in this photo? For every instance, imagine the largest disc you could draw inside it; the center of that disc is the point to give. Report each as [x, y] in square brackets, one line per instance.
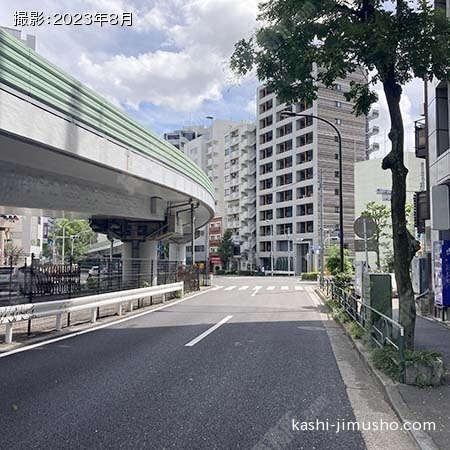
[100, 327]
[256, 289]
[299, 288]
[208, 331]
[229, 288]
[284, 288]
[216, 288]
[243, 288]
[270, 288]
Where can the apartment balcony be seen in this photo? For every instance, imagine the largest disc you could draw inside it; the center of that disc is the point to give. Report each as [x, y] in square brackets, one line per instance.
[373, 115]
[374, 131]
[233, 210]
[215, 230]
[233, 224]
[374, 147]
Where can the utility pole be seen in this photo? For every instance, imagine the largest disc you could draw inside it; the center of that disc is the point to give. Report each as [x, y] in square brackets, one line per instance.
[322, 249]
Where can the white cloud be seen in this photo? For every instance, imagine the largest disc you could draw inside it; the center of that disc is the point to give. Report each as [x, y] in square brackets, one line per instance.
[251, 106]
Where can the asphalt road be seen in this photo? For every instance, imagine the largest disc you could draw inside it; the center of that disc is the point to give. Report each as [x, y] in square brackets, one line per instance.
[136, 385]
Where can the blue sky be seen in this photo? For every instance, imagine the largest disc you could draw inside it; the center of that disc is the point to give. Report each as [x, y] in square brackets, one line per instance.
[171, 67]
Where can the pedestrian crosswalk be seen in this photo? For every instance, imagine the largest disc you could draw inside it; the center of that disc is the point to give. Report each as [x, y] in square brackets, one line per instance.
[260, 289]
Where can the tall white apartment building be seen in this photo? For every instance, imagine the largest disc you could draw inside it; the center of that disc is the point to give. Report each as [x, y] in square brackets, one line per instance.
[292, 155]
[226, 151]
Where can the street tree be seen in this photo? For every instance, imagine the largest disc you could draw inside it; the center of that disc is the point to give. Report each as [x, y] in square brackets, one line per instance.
[302, 43]
[381, 215]
[225, 249]
[77, 232]
[334, 261]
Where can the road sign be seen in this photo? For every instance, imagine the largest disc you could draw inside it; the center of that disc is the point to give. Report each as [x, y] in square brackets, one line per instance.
[371, 245]
[371, 227]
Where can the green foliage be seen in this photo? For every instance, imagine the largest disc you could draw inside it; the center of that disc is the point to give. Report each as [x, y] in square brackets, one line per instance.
[343, 281]
[178, 294]
[356, 331]
[310, 276]
[340, 315]
[386, 360]
[426, 357]
[334, 260]
[342, 37]
[82, 237]
[225, 250]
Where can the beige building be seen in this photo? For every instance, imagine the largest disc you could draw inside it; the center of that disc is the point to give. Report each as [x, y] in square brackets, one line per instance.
[292, 153]
[373, 184]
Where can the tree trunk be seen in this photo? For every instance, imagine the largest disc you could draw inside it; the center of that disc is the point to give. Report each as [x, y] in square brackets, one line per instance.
[405, 246]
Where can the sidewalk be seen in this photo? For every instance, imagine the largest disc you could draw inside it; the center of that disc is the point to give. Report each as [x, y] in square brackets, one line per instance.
[432, 404]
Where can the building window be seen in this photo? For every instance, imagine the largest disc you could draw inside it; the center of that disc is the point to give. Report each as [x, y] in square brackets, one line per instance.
[266, 137]
[304, 157]
[284, 146]
[265, 153]
[336, 192]
[265, 106]
[303, 106]
[284, 163]
[266, 184]
[265, 168]
[336, 156]
[305, 139]
[336, 209]
[267, 121]
[227, 151]
[283, 246]
[284, 228]
[283, 213]
[336, 139]
[304, 122]
[305, 192]
[265, 246]
[263, 92]
[338, 121]
[305, 210]
[337, 87]
[305, 174]
[305, 227]
[227, 178]
[338, 104]
[284, 179]
[266, 215]
[336, 174]
[284, 130]
[227, 138]
[284, 196]
[266, 199]
[265, 230]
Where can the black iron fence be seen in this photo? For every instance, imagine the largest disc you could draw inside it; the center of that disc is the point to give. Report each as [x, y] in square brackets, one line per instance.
[383, 330]
[29, 280]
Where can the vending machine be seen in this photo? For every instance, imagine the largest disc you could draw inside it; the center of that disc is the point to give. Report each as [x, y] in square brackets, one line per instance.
[441, 267]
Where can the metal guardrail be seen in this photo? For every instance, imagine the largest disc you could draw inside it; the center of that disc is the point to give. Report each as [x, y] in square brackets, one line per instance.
[26, 71]
[26, 312]
[382, 329]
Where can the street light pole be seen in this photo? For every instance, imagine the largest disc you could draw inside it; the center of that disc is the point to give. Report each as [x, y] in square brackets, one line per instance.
[341, 199]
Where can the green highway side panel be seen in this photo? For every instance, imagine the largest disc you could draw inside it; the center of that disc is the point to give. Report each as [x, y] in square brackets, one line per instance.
[24, 70]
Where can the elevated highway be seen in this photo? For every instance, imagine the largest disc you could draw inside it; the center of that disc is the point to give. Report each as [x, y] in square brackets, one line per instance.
[68, 152]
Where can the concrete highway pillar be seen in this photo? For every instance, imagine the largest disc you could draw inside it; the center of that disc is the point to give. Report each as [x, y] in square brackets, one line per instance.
[127, 263]
[182, 253]
[177, 252]
[149, 260]
[173, 252]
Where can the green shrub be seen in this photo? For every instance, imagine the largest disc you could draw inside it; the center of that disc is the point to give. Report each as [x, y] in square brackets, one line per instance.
[310, 276]
[340, 315]
[386, 360]
[221, 272]
[355, 330]
[343, 281]
[178, 294]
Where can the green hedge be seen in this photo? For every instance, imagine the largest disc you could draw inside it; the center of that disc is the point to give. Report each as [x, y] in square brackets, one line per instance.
[310, 276]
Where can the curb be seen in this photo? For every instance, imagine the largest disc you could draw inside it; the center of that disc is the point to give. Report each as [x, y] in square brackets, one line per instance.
[390, 390]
